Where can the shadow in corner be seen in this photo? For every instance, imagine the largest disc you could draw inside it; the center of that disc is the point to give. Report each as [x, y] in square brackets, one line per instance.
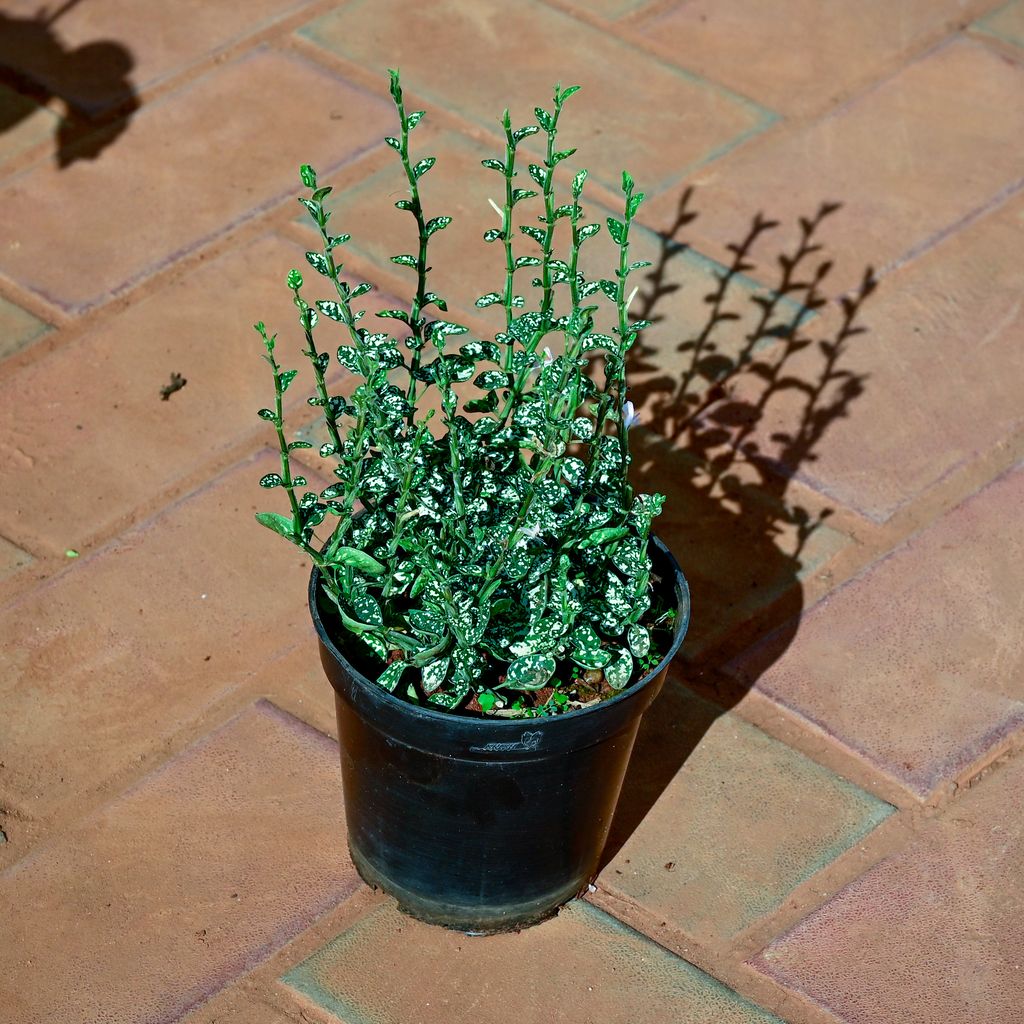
[754, 389]
[92, 82]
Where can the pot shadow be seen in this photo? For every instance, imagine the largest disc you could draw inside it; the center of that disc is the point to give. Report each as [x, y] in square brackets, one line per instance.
[91, 81]
[761, 378]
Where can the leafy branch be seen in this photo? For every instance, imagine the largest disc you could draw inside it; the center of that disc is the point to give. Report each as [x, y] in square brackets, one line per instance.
[500, 565]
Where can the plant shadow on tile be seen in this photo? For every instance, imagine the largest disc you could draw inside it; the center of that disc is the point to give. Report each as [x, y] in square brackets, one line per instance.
[92, 82]
[704, 391]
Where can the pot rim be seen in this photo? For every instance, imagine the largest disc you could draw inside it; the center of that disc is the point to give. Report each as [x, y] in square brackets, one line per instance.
[682, 595]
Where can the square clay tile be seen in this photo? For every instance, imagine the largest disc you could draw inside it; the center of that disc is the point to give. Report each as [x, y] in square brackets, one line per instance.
[909, 161]
[88, 420]
[796, 56]
[146, 908]
[186, 168]
[743, 821]
[932, 935]
[914, 665]
[938, 374]
[107, 661]
[634, 111]
[99, 54]
[390, 969]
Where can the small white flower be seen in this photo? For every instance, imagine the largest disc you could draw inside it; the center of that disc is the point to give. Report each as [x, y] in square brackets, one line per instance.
[540, 364]
[629, 415]
[497, 209]
[531, 531]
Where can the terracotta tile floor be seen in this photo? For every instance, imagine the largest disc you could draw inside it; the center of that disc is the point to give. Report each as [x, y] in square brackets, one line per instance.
[822, 823]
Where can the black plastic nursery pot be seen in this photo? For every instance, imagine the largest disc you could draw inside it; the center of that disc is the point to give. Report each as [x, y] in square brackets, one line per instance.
[483, 824]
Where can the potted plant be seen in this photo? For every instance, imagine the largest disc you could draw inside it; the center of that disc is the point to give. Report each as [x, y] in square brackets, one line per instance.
[492, 609]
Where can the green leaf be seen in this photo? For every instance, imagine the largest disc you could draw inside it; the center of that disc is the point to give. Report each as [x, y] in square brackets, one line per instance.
[562, 154]
[582, 428]
[587, 649]
[298, 444]
[494, 165]
[627, 182]
[358, 560]
[617, 230]
[452, 699]
[435, 299]
[437, 224]
[426, 621]
[634, 204]
[441, 328]
[394, 143]
[522, 193]
[276, 522]
[414, 118]
[308, 176]
[488, 404]
[315, 210]
[602, 536]
[535, 233]
[567, 92]
[577, 182]
[521, 133]
[487, 300]
[492, 234]
[531, 672]
[539, 175]
[333, 309]
[422, 166]
[366, 608]
[388, 679]
[434, 674]
[639, 640]
[294, 280]
[334, 241]
[349, 358]
[481, 350]
[487, 699]
[587, 230]
[491, 380]
[528, 261]
[404, 260]
[543, 118]
[620, 671]
[361, 289]
[267, 414]
[286, 378]
[393, 314]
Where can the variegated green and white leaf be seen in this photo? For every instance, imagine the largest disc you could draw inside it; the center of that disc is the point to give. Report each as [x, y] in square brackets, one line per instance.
[532, 672]
[620, 671]
[434, 674]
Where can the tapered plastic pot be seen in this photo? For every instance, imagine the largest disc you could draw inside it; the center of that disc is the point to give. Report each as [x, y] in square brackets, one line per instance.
[483, 824]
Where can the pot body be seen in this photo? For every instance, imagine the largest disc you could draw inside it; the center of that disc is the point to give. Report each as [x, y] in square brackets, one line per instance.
[483, 825]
